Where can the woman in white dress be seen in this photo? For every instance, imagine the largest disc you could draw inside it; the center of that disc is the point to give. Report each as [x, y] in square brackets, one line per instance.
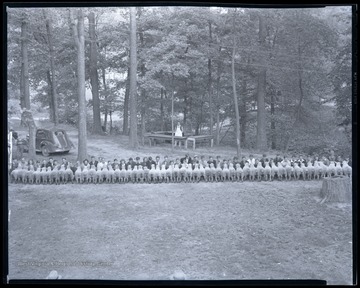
[178, 133]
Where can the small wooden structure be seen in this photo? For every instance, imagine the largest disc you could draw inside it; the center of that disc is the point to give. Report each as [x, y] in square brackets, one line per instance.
[155, 137]
[200, 138]
[336, 189]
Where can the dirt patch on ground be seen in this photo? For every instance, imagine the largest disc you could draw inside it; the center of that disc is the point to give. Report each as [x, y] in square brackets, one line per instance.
[276, 230]
[117, 146]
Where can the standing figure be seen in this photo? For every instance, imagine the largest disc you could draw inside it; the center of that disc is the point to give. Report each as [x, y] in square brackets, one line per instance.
[179, 130]
[178, 133]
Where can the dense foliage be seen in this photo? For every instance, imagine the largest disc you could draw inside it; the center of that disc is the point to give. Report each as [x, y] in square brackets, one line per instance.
[186, 52]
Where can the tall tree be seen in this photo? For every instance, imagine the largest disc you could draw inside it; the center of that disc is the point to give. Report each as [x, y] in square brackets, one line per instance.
[26, 116]
[52, 78]
[210, 82]
[237, 115]
[94, 76]
[133, 79]
[126, 104]
[78, 33]
[24, 80]
[105, 96]
[143, 94]
[28, 120]
[261, 141]
[218, 78]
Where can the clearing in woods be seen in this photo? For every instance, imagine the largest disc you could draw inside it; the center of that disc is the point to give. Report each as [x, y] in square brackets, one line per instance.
[262, 230]
[249, 230]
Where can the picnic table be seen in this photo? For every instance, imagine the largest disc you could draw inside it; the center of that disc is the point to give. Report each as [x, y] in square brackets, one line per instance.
[164, 135]
[200, 138]
[153, 137]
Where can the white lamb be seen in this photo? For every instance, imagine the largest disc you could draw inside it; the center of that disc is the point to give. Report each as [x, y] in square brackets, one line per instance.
[289, 171]
[188, 173]
[202, 171]
[297, 171]
[176, 173]
[305, 171]
[274, 171]
[152, 173]
[163, 173]
[78, 176]
[232, 171]
[212, 172]
[338, 169]
[37, 175]
[267, 172]
[253, 171]
[69, 174]
[331, 170]
[311, 170]
[239, 173]
[116, 174]
[30, 174]
[92, 174]
[246, 171]
[169, 173]
[122, 173]
[281, 171]
[347, 169]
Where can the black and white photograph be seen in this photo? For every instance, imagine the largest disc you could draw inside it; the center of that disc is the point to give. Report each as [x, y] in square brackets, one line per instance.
[179, 143]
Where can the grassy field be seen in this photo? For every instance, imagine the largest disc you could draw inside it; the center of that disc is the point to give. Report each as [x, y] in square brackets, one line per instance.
[276, 230]
[262, 230]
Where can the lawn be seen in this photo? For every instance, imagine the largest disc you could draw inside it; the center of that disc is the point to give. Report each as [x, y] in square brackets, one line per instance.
[260, 230]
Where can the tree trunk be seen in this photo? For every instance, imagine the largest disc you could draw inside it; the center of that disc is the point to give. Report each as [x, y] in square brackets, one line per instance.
[185, 110]
[126, 105]
[162, 109]
[143, 115]
[32, 140]
[24, 80]
[217, 127]
[200, 117]
[51, 98]
[143, 91]
[218, 105]
[28, 120]
[273, 131]
[133, 75]
[261, 141]
[336, 189]
[210, 83]
[53, 94]
[78, 32]
[237, 115]
[243, 114]
[105, 93]
[111, 123]
[298, 109]
[143, 128]
[94, 76]
[105, 119]
[172, 118]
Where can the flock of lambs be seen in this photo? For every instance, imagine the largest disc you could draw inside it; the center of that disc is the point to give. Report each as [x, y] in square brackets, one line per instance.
[176, 174]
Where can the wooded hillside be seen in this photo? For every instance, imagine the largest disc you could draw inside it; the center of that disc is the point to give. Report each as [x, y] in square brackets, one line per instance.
[287, 70]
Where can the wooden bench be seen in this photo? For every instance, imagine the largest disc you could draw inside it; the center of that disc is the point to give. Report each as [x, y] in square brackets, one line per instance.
[156, 136]
[200, 138]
